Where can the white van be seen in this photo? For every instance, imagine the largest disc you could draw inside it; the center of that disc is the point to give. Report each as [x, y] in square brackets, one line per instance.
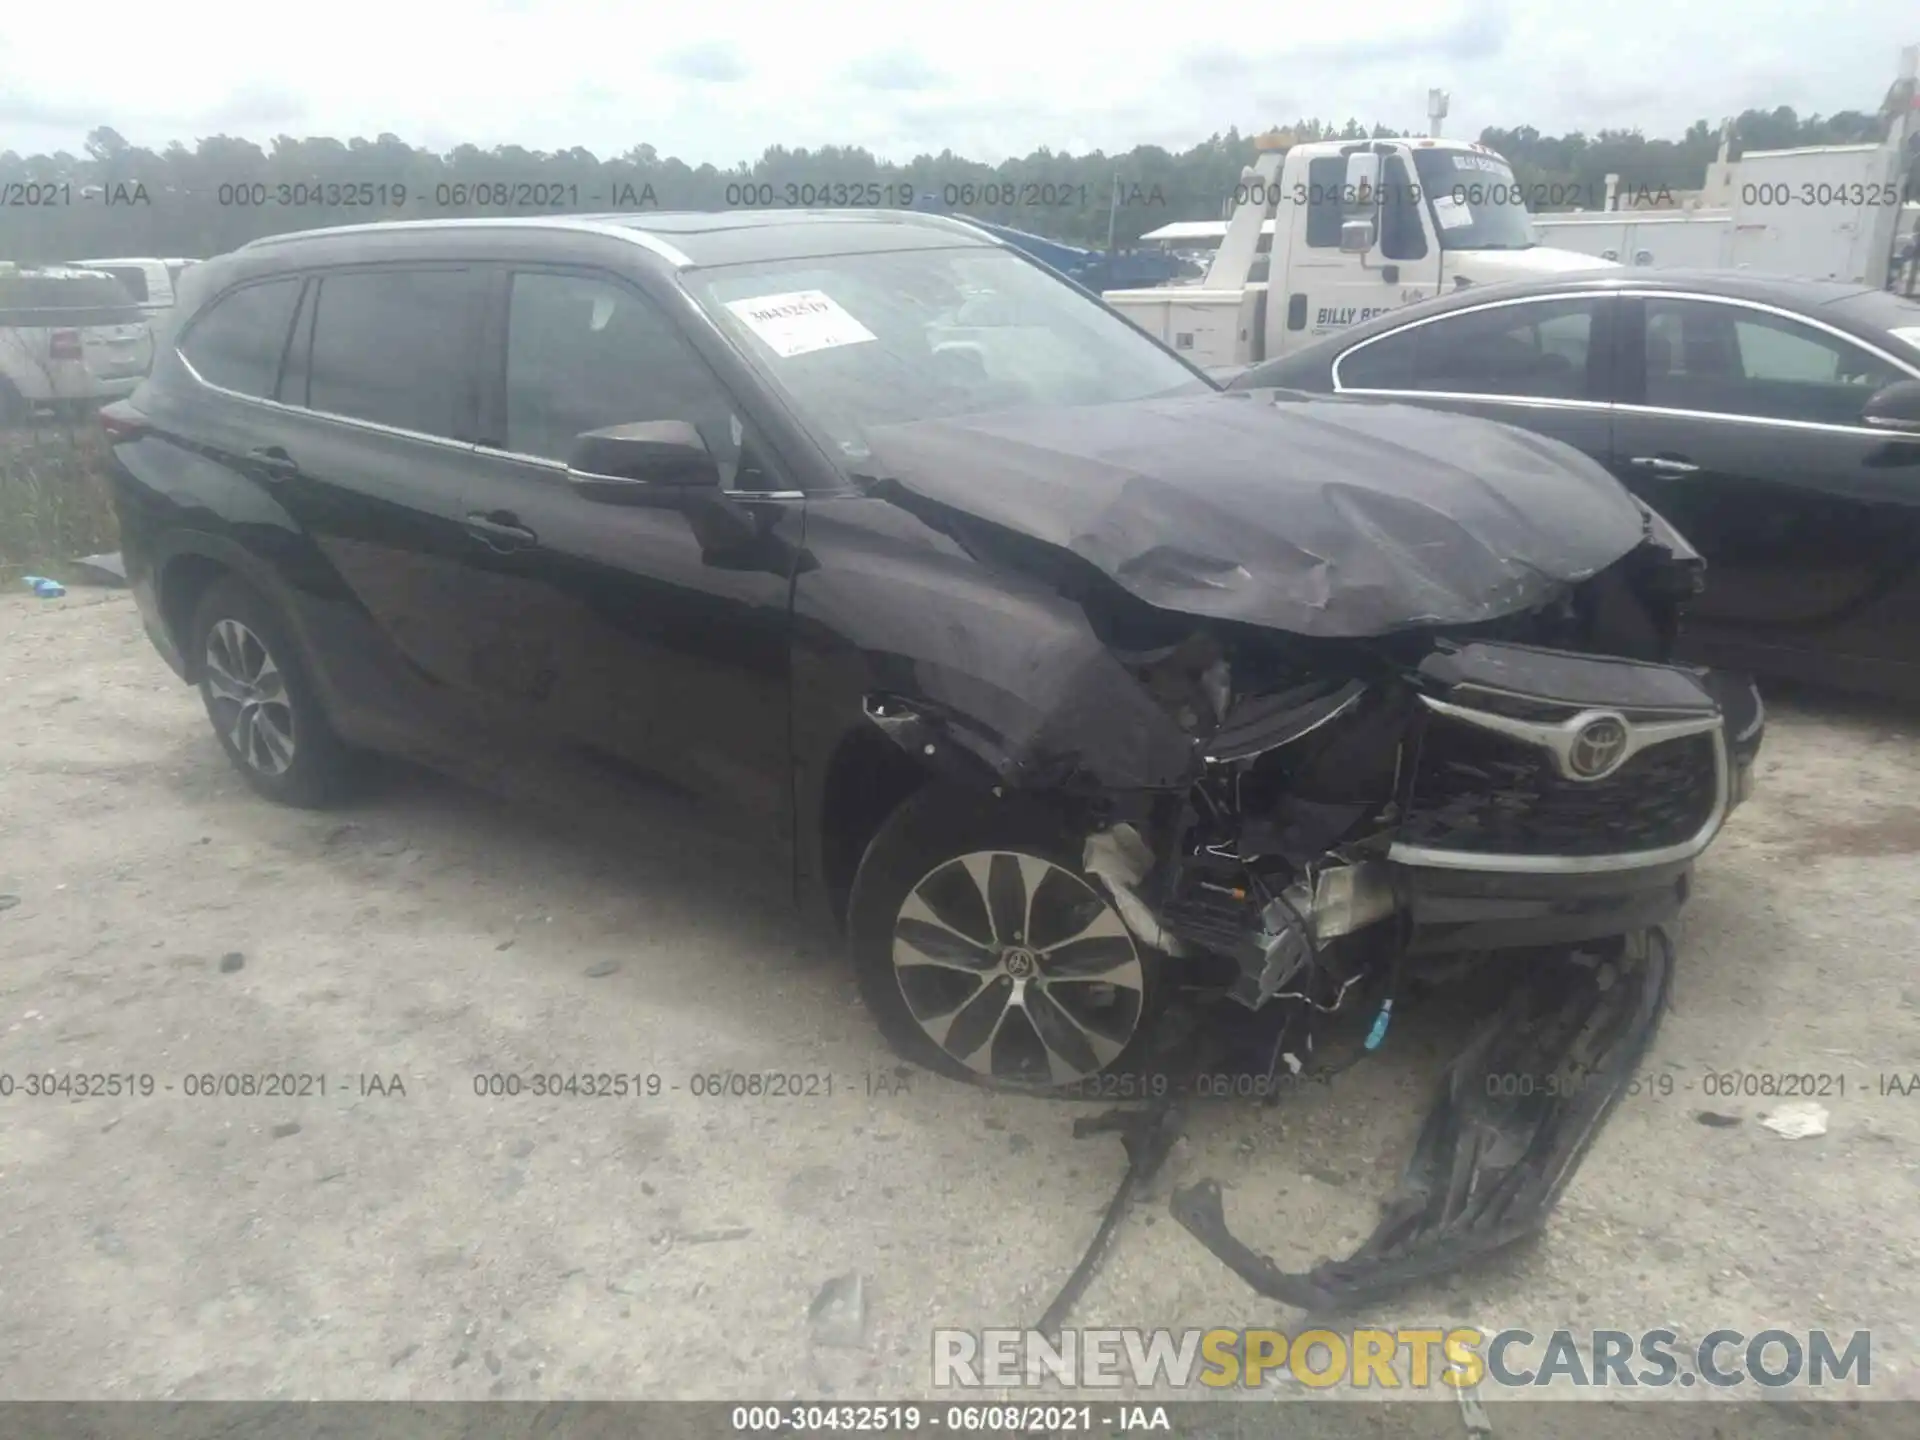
[68, 338]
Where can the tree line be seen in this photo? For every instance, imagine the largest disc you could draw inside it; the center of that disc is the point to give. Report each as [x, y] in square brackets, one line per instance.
[219, 193]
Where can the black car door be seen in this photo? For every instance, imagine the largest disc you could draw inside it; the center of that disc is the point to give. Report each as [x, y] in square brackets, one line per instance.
[371, 443]
[653, 637]
[1544, 364]
[1742, 425]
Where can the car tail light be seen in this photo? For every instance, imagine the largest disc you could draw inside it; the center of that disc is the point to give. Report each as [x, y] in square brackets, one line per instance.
[122, 422]
[63, 345]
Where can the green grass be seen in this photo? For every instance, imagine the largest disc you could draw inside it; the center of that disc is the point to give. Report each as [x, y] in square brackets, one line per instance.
[54, 501]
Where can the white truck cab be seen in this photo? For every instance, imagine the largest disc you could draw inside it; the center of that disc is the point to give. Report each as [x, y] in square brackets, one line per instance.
[1349, 229]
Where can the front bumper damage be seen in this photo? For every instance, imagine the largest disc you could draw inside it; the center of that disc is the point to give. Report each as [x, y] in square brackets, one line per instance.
[1317, 715]
[1337, 838]
[1496, 825]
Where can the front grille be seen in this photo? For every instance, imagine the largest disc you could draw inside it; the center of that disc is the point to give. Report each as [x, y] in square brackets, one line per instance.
[1490, 794]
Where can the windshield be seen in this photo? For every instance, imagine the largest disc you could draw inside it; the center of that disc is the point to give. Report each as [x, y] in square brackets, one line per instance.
[1477, 204]
[862, 341]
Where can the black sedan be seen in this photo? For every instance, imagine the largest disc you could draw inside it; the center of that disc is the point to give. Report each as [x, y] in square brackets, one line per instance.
[1774, 422]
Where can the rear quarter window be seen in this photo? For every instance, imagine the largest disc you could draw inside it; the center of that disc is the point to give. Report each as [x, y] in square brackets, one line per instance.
[238, 341]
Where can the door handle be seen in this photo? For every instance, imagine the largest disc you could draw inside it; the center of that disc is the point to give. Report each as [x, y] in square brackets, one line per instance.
[1664, 464]
[273, 462]
[500, 531]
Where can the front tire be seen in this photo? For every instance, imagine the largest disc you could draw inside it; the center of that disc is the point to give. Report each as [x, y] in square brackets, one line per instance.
[985, 953]
[261, 703]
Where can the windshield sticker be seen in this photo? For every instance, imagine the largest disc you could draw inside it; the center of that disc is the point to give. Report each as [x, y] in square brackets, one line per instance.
[800, 322]
[1451, 211]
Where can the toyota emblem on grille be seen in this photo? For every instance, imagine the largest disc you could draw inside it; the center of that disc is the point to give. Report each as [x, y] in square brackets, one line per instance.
[1598, 748]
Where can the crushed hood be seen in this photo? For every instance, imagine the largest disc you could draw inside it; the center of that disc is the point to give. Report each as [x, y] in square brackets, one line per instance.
[1325, 518]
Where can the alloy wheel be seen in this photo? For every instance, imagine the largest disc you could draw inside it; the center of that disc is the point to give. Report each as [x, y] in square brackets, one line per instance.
[1018, 969]
[248, 697]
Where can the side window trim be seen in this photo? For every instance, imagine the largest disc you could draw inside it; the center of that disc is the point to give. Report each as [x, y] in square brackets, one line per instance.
[303, 308]
[1605, 310]
[490, 418]
[1603, 346]
[1629, 352]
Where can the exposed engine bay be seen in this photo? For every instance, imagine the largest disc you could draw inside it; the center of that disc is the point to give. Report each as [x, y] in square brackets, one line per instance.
[1309, 792]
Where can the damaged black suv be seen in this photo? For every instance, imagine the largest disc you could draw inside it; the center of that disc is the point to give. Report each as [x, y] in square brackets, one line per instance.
[1054, 673]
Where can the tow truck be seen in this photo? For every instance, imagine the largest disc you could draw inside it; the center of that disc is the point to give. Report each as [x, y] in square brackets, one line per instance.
[1350, 230]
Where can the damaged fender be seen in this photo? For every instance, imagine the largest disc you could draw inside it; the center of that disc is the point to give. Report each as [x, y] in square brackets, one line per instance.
[1001, 675]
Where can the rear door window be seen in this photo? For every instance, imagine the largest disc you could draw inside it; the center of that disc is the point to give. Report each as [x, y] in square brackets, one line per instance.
[238, 341]
[394, 347]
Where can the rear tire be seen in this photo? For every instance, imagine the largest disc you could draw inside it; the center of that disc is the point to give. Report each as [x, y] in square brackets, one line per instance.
[262, 704]
[986, 954]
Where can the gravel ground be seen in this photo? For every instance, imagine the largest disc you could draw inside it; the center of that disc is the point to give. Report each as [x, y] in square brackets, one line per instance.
[401, 1236]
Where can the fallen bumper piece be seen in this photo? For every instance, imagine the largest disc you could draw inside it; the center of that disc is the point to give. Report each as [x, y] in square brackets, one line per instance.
[1149, 1137]
[1516, 1114]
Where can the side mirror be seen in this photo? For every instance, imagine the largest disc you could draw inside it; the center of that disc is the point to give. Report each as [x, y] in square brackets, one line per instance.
[1897, 407]
[650, 463]
[1356, 236]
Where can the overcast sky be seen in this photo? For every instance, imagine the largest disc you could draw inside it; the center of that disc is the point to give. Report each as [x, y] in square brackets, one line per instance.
[721, 80]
